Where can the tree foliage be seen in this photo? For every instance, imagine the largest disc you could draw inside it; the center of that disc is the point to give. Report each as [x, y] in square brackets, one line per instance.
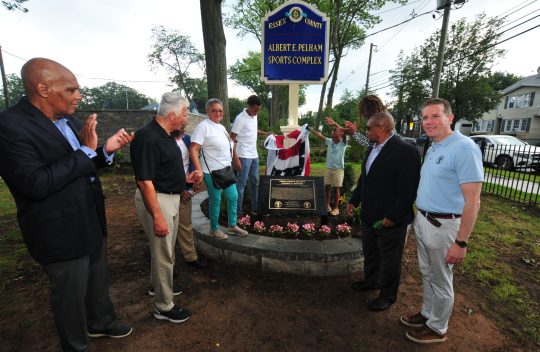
[178, 56]
[15, 89]
[13, 5]
[348, 21]
[465, 80]
[112, 96]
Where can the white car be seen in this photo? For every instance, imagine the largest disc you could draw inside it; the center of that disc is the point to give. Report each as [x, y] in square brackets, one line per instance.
[508, 152]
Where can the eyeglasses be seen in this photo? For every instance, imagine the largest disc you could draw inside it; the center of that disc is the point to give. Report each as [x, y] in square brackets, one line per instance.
[216, 111]
[370, 127]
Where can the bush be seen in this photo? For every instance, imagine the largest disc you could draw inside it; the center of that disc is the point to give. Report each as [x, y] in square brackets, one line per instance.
[348, 179]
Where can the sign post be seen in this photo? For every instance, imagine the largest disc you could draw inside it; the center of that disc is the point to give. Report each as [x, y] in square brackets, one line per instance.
[295, 44]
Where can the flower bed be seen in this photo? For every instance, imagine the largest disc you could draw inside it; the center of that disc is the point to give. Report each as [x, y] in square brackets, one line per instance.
[294, 226]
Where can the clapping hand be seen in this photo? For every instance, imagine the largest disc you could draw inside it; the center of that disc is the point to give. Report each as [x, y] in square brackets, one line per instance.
[118, 140]
[87, 134]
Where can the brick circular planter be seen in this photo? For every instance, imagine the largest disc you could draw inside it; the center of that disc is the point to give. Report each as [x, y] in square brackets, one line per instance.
[339, 257]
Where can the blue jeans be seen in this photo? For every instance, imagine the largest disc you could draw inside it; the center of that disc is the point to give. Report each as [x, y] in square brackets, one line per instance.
[214, 196]
[250, 171]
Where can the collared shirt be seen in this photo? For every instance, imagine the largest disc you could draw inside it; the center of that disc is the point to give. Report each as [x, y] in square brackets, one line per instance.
[245, 127]
[374, 152]
[448, 164]
[155, 156]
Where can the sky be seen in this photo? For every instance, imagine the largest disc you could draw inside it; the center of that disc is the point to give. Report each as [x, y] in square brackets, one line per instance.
[103, 40]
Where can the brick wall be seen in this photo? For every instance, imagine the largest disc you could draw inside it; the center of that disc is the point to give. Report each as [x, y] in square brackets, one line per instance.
[110, 121]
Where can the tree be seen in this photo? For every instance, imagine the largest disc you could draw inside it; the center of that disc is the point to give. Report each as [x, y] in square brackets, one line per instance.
[15, 5]
[112, 96]
[348, 21]
[501, 80]
[470, 52]
[15, 89]
[178, 56]
[214, 48]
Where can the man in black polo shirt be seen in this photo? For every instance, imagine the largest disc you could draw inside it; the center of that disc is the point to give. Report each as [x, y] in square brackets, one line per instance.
[159, 172]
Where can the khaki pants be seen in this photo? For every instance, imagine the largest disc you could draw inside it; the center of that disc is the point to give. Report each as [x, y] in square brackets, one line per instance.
[161, 248]
[185, 232]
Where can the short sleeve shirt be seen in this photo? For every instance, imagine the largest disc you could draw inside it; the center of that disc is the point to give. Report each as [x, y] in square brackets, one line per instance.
[335, 154]
[245, 127]
[447, 165]
[215, 144]
[155, 156]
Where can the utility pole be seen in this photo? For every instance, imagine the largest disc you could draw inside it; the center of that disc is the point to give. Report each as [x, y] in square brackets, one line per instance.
[4, 80]
[440, 54]
[369, 66]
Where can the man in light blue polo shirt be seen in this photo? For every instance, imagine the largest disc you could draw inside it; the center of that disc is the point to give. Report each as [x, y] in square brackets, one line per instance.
[448, 201]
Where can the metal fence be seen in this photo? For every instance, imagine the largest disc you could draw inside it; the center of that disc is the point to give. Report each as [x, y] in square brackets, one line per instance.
[512, 171]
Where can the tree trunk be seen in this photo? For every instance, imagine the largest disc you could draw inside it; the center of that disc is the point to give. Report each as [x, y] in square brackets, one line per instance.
[214, 49]
[333, 81]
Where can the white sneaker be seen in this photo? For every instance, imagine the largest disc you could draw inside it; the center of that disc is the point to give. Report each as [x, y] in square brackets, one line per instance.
[219, 235]
[237, 231]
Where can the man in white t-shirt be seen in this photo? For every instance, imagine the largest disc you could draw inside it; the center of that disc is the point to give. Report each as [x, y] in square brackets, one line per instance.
[244, 133]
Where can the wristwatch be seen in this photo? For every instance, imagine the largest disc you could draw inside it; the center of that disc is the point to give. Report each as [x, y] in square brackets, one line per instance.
[462, 244]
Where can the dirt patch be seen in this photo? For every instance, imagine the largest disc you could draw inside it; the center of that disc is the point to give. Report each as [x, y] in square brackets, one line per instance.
[238, 309]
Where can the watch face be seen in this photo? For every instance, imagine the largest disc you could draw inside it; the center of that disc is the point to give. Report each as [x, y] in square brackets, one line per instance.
[462, 244]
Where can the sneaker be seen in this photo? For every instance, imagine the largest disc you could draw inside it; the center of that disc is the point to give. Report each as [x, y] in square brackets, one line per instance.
[237, 231]
[116, 331]
[334, 212]
[328, 209]
[219, 235]
[176, 290]
[175, 315]
[425, 336]
[413, 321]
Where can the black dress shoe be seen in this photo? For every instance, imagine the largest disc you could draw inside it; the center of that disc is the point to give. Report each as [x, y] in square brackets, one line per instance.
[362, 286]
[197, 263]
[379, 303]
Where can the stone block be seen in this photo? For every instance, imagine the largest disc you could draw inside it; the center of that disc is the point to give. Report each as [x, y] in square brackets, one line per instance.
[276, 265]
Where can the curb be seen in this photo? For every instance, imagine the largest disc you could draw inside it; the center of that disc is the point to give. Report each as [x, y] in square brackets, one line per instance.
[339, 257]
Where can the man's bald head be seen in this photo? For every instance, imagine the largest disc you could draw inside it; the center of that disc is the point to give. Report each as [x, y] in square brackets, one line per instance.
[385, 119]
[41, 70]
[50, 87]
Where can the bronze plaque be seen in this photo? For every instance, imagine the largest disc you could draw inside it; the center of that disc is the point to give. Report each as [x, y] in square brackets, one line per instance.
[292, 194]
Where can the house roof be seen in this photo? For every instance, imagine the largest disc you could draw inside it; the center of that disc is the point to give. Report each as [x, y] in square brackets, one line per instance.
[530, 81]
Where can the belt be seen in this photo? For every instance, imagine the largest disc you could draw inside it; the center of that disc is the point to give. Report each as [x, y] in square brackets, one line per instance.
[439, 215]
[169, 193]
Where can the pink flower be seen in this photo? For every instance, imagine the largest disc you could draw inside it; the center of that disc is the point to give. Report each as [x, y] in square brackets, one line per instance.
[293, 228]
[244, 222]
[276, 230]
[325, 229]
[343, 229]
[259, 227]
[309, 229]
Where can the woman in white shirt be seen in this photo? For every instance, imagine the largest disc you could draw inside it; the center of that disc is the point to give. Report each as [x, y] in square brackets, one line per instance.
[215, 144]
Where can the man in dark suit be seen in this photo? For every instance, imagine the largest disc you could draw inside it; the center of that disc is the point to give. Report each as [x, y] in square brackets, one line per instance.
[49, 162]
[386, 191]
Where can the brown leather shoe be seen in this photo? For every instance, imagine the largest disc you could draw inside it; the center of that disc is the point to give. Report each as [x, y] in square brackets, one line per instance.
[425, 336]
[413, 321]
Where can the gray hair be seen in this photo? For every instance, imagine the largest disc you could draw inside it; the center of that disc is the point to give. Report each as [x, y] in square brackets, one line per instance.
[172, 102]
[213, 101]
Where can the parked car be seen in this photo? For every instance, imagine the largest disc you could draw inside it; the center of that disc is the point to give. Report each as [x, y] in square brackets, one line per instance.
[508, 152]
[408, 139]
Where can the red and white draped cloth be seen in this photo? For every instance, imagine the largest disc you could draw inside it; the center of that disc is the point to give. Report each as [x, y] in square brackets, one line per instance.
[292, 161]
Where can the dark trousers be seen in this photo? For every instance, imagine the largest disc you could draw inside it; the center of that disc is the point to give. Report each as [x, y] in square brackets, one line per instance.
[80, 298]
[383, 250]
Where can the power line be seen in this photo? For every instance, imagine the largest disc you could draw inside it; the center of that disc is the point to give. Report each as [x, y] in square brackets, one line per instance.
[492, 45]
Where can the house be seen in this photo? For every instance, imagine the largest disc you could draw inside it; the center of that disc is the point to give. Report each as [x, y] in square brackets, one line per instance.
[517, 114]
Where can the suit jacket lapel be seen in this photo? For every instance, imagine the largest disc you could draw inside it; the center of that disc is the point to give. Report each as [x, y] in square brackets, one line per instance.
[46, 125]
[385, 150]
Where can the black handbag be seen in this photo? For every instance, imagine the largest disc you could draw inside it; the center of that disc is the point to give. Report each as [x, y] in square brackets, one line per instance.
[221, 178]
